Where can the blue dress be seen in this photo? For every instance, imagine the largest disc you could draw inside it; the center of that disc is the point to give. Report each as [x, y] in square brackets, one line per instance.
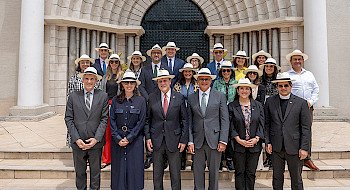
[127, 120]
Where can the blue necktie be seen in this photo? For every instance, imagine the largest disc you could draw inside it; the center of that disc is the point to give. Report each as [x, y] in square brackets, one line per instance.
[170, 65]
[104, 67]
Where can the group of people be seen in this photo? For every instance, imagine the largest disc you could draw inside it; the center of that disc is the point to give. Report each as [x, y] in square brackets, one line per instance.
[221, 114]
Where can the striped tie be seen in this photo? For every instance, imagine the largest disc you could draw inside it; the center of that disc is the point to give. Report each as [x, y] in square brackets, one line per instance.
[204, 103]
[87, 100]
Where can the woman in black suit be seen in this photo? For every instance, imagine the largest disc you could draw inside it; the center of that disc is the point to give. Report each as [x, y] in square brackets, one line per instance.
[246, 132]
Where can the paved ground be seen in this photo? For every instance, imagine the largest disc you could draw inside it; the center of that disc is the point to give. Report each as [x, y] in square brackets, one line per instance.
[51, 133]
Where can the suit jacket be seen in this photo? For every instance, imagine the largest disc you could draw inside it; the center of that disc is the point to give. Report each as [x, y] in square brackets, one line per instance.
[178, 64]
[293, 130]
[97, 66]
[174, 125]
[148, 85]
[261, 94]
[237, 127]
[84, 124]
[214, 125]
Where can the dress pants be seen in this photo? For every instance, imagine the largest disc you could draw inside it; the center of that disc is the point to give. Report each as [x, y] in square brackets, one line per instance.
[94, 157]
[174, 159]
[295, 166]
[213, 158]
[228, 153]
[245, 168]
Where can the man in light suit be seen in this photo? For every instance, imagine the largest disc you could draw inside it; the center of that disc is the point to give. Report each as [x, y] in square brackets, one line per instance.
[166, 130]
[86, 119]
[208, 129]
[287, 132]
[100, 64]
[171, 61]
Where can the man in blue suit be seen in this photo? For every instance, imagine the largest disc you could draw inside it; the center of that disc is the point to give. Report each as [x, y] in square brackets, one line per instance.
[171, 61]
[218, 54]
[100, 64]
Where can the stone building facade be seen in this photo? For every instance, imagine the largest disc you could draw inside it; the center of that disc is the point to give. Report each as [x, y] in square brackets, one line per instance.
[73, 27]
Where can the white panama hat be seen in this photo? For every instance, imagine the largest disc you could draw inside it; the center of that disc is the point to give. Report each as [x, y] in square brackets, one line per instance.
[114, 57]
[129, 76]
[154, 48]
[297, 52]
[103, 46]
[163, 73]
[241, 54]
[218, 47]
[137, 54]
[244, 82]
[253, 68]
[282, 77]
[187, 67]
[195, 55]
[227, 65]
[84, 57]
[261, 52]
[170, 45]
[204, 72]
[90, 70]
[270, 61]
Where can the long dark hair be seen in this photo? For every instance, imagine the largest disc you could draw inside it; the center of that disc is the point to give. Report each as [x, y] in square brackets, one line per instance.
[182, 79]
[264, 76]
[256, 81]
[233, 74]
[132, 67]
[121, 95]
[79, 68]
[246, 63]
[256, 60]
[237, 95]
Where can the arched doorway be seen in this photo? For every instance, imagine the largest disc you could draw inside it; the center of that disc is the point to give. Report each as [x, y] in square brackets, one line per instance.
[180, 21]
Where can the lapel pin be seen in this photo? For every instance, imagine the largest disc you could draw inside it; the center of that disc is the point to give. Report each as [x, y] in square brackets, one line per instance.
[290, 102]
[132, 107]
[173, 96]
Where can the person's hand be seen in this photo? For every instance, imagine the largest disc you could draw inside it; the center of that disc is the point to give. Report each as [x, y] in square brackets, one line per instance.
[149, 145]
[81, 144]
[308, 103]
[122, 142]
[91, 142]
[221, 147]
[181, 146]
[191, 148]
[302, 154]
[252, 142]
[269, 148]
[244, 142]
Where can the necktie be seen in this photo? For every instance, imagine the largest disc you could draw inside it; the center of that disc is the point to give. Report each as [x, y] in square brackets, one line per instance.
[170, 64]
[87, 100]
[165, 104]
[155, 72]
[218, 66]
[203, 103]
[104, 67]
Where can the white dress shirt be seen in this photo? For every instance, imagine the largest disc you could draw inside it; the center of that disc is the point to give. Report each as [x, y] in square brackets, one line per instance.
[91, 96]
[220, 63]
[305, 85]
[172, 62]
[158, 66]
[168, 94]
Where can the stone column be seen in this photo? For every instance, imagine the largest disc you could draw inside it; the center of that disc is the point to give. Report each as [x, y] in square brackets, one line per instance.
[264, 40]
[246, 42]
[30, 103]
[316, 47]
[112, 42]
[217, 38]
[275, 45]
[255, 42]
[93, 52]
[236, 44]
[72, 51]
[83, 42]
[104, 37]
[131, 45]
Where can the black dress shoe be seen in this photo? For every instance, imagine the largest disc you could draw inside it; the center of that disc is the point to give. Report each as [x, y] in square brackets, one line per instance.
[165, 164]
[148, 162]
[230, 166]
[220, 168]
[105, 165]
[183, 165]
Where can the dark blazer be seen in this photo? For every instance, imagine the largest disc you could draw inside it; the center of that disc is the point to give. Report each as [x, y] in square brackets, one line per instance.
[261, 94]
[84, 124]
[237, 124]
[179, 63]
[214, 125]
[174, 124]
[293, 130]
[148, 85]
[97, 66]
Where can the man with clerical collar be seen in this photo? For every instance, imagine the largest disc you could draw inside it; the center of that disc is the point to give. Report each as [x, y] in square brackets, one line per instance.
[287, 128]
[305, 86]
[166, 130]
[86, 119]
[100, 64]
[173, 63]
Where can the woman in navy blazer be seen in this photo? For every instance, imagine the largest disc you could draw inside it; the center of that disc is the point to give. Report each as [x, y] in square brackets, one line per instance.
[246, 132]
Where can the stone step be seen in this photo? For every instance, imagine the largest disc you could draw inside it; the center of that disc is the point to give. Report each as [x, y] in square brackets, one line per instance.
[63, 169]
[330, 119]
[66, 153]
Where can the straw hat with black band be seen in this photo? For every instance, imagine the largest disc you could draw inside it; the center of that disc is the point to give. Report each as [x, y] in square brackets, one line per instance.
[297, 52]
[104, 46]
[244, 82]
[137, 54]
[163, 73]
[155, 48]
[204, 72]
[84, 57]
[270, 61]
[196, 56]
[114, 57]
[282, 77]
[253, 68]
[129, 77]
[218, 47]
[170, 45]
[90, 70]
[261, 52]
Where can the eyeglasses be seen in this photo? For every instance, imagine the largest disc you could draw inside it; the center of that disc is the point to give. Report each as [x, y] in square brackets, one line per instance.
[285, 86]
[204, 79]
[85, 62]
[114, 61]
[129, 82]
[252, 73]
[226, 70]
[218, 52]
[194, 60]
[156, 52]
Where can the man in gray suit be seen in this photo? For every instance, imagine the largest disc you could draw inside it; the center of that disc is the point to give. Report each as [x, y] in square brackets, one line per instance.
[86, 119]
[287, 128]
[166, 130]
[208, 129]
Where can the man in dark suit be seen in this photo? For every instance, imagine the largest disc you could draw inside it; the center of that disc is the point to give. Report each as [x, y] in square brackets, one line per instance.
[100, 64]
[171, 61]
[287, 128]
[148, 85]
[86, 119]
[166, 130]
[208, 129]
